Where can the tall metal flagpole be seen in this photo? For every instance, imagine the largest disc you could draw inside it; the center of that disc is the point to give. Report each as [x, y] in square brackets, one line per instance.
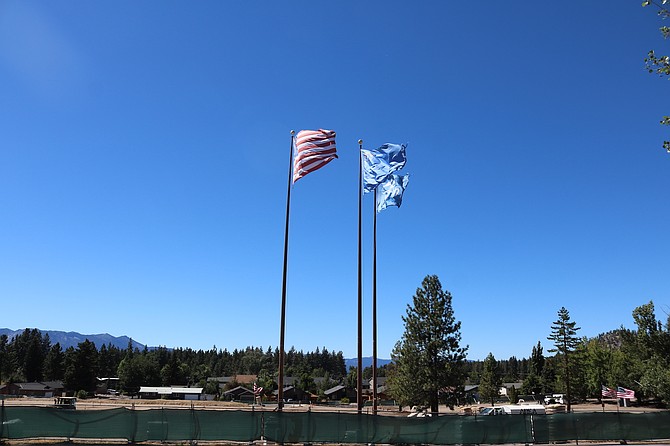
[359, 372]
[374, 310]
[280, 395]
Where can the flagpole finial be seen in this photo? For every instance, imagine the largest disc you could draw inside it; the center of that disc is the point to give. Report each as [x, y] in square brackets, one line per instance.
[292, 132]
[360, 142]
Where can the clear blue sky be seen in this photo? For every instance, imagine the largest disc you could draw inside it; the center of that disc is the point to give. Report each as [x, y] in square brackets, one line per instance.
[144, 155]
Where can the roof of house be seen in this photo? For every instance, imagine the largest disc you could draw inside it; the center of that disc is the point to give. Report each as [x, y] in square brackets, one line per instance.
[286, 389]
[34, 386]
[288, 380]
[381, 380]
[334, 389]
[245, 379]
[239, 390]
[516, 385]
[171, 390]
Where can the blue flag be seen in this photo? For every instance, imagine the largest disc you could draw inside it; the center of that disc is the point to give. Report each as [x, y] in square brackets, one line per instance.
[380, 163]
[389, 193]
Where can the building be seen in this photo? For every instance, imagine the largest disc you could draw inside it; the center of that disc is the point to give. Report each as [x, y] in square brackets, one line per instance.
[172, 393]
[239, 393]
[45, 389]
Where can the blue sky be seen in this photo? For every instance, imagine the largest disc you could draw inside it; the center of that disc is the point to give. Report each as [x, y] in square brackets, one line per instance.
[144, 153]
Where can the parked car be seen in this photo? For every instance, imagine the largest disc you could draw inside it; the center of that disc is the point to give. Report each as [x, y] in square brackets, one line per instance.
[556, 398]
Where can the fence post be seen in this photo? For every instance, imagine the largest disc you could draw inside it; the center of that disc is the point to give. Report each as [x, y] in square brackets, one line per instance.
[133, 424]
[532, 428]
[195, 432]
[263, 426]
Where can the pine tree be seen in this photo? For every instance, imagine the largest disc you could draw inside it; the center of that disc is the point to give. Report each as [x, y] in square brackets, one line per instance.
[428, 359]
[564, 336]
[489, 385]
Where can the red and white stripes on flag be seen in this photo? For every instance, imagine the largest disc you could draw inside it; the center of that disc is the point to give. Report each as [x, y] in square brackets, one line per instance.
[313, 150]
[622, 392]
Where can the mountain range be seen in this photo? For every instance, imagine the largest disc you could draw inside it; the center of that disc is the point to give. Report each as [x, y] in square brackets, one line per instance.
[72, 339]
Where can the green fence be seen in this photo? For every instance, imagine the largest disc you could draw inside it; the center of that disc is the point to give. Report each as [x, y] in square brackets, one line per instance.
[178, 425]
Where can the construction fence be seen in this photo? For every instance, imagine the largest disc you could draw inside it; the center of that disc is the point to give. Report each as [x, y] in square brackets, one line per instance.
[180, 425]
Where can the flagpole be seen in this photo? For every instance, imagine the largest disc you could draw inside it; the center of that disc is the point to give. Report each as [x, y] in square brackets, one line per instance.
[374, 309]
[280, 393]
[359, 371]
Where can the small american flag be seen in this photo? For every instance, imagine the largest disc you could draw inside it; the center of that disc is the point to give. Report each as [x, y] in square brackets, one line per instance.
[622, 392]
[607, 392]
[314, 149]
[257, 389]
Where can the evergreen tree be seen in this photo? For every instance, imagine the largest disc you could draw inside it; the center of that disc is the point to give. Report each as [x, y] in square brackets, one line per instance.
[534, 382]
[82, 367]
[490, 382]
[564, 337]
[4, 358]
[33, 358]
[429, 357]
[54, 363]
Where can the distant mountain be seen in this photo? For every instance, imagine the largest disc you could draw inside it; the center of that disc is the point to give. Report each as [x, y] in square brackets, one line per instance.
[72, 339]
[367, 362]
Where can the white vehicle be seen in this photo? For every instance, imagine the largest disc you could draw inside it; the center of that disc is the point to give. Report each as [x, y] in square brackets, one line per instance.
[556, 398]
[514, 409]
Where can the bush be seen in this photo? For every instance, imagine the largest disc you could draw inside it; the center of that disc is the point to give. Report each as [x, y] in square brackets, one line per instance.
[82, 395]
[344, 400]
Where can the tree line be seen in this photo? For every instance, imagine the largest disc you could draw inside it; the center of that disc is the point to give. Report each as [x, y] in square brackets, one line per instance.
[428, 366]
[30, 357]
[636, 359]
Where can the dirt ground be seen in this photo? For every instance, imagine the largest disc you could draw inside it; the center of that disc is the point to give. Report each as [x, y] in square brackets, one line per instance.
[139, 404]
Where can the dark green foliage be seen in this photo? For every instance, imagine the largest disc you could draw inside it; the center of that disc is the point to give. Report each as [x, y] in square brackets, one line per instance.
[54, 363]
[136, 370]
[565, 339]
[513, 395]
[428, 359]
[650, 347]
[81, 366]
[660, 64]
[491, 380]
[5, 364]
[536, 382]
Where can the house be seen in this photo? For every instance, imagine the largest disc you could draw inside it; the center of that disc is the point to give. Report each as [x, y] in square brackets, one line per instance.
[9, 389]
[107, 385]
[291, 393]
[230, 380]
[245, 379]
[471, 393]
[173, 393]
[288, 381]
[239, 393]
[46, 389]
[336, 393]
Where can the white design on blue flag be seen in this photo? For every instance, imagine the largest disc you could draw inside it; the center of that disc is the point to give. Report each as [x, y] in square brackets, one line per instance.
[389, 193]
[380, 163]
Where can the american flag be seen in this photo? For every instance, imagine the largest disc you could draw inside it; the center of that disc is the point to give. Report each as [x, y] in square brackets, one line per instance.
[622, 392]
[257, 389]
[607, 392]
[314, 149]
